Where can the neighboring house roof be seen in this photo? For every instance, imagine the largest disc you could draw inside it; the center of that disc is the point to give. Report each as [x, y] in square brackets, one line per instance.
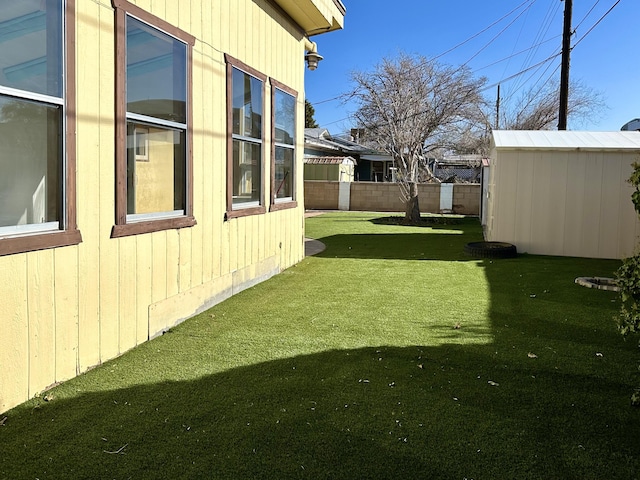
[316, 133]
[323, 140]
[565, 140]
[329, 160]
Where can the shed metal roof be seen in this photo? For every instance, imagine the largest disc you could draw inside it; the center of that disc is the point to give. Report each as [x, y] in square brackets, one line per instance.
[565, 140]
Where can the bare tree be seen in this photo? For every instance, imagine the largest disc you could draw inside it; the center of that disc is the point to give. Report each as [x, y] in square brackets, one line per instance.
[407, 105]
[538, 107]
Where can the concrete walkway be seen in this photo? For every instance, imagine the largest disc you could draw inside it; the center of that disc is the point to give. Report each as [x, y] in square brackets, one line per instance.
[313, 247]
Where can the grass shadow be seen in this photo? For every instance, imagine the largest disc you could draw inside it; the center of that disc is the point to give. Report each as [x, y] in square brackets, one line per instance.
[446, 246]
[378, 412]
[427, 221]
[360, 369]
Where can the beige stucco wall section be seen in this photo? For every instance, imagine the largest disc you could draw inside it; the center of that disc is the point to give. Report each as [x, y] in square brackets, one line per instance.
[65, 310]
[569, 203]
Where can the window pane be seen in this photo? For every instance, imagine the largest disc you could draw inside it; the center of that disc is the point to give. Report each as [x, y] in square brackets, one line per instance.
[31, 45]
[285, 117]
[155, 169]
[284, 173]
[247, 105]
[30, 162]
[246, 172]
[156, 73]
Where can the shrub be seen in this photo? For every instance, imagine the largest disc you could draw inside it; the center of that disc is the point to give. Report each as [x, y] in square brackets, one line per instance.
[628, 278]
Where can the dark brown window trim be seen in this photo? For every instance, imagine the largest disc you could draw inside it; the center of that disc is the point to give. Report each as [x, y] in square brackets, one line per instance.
[282, 206]
[121, 227]
[276, 205]
[136, 228]
[40, 241]
[70, 235]
[242, 212]
[154, 21]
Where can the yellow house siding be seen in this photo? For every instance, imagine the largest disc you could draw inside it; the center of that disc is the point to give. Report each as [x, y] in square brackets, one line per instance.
[93, 147]
[67, 318]
[68, 309]
[14, 341]
[41, 314]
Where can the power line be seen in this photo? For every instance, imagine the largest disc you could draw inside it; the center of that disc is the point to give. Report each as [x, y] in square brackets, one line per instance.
[454, 47]
[588, 13]
[493, 85]
[542, 32]
[496, 36]
[521, 72]
[518, 53]
[342, 95]
[596, 24]
[485, 29]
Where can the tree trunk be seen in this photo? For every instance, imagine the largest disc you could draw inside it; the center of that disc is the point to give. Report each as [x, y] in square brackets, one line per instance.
[412, 207]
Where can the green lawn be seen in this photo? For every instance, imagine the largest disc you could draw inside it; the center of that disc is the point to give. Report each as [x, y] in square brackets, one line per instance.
[391, 355]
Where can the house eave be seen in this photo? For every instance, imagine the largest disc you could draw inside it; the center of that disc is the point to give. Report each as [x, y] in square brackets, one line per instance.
[315, 16]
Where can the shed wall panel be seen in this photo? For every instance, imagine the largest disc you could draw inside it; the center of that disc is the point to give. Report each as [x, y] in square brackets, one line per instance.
[525, 199]
[579, 205]
[575, 207]
[592, 201]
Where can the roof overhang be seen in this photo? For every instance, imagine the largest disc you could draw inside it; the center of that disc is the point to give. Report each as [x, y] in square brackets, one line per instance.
[376, 158]
[315, 16]
[565, 140]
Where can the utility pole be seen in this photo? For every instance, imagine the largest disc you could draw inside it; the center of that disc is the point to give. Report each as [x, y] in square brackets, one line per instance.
[564, 72]
[498, 109]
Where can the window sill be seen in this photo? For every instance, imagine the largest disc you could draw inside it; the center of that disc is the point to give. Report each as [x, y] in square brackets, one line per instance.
[40, 241]
[138, 228]
[283, 206]
[245, 212]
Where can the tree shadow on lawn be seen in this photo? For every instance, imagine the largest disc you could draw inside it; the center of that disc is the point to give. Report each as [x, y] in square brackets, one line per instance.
[381, 412]
[445, 246]
[436, 238]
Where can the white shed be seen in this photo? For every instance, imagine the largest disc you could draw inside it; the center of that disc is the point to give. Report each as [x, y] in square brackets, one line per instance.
[563, 192]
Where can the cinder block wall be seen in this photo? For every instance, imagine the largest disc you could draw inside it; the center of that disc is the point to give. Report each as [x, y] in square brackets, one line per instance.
[376, 197]
[321, 195]
[386, 197]
[466, 199]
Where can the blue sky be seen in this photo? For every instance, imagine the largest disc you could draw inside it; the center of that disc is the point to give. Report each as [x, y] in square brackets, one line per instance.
[605, 56]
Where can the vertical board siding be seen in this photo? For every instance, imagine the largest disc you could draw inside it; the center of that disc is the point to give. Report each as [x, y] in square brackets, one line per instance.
[66, 310]
[127, 276]
[90, 17]
[144, 269]
[159, 271]
[67, 316]
[14, 341]
[41, 314]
